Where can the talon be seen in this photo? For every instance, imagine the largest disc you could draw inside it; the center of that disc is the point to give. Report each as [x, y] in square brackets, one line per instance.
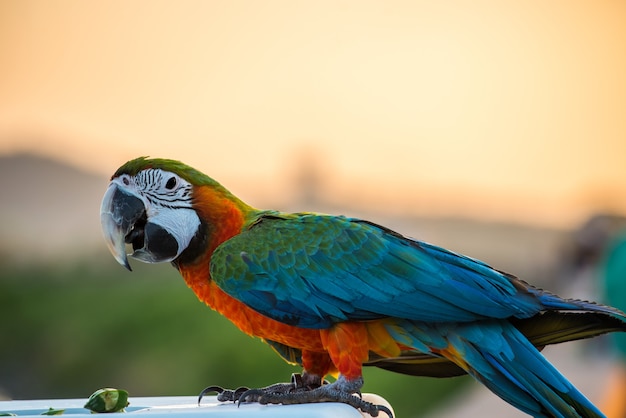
[367, 407]
[251, 395]
[296, 380]
[384, 409]
[223, 395]
[209, 389]
[239, 391]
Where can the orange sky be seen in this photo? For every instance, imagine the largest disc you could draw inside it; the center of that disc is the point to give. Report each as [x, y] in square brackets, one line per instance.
[497, 109]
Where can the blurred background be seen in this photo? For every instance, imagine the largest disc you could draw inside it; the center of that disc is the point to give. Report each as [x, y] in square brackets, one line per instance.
[494, 128]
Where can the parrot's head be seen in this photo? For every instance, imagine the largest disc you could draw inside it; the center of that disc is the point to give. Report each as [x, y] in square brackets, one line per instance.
[149, 204]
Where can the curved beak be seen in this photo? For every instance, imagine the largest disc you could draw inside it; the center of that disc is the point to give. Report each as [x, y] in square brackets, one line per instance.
[119, 212]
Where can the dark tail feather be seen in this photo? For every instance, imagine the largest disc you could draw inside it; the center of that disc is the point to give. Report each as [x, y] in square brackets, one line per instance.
[553, 327]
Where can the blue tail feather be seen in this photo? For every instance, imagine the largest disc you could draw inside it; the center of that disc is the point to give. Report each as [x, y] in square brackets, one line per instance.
[517, 372]
[495, 353]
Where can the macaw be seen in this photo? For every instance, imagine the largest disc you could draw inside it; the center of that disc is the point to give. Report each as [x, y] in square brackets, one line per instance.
[333, 294]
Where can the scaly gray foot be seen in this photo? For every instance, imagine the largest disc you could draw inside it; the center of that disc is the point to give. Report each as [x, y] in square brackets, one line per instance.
[303, 389]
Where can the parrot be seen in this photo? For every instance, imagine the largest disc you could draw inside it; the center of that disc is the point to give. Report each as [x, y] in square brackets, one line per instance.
[333, 294]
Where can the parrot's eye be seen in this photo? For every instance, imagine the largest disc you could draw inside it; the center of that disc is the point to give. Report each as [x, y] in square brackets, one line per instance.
[171, 183]
[125, 180]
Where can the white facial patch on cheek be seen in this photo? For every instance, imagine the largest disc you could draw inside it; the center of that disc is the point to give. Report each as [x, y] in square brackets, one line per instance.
[181, 223]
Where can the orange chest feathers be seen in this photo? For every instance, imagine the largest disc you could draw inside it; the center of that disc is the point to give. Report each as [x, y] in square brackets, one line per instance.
[245, 318]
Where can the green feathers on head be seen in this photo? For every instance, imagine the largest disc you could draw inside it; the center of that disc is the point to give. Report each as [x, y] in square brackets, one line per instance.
[190, 174]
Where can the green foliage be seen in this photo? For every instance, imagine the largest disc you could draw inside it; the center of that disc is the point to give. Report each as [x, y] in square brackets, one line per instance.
[67, 331]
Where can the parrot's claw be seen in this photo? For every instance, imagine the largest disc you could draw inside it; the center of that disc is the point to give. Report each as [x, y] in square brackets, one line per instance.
[303, 389]
[223, 395]
[298, 383]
